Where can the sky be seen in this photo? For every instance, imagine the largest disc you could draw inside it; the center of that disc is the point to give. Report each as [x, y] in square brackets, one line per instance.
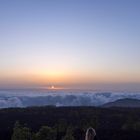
[70, 43]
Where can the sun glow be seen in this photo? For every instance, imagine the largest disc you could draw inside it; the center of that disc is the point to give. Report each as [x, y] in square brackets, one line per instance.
[52, 87]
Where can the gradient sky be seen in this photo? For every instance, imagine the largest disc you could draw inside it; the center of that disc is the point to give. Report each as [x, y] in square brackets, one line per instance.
[69, 42]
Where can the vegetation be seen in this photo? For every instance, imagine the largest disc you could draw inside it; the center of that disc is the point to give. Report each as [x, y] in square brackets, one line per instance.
[46, 133]
[21, 133]
[69, 123]
[69, 135]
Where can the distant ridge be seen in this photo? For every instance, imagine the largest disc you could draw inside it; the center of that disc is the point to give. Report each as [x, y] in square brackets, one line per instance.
[127, 102]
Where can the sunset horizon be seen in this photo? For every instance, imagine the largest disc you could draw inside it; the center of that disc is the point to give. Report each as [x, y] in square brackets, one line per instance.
[70, 44]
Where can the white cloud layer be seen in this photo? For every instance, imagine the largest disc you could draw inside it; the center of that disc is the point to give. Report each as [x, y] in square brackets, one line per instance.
[24, 98]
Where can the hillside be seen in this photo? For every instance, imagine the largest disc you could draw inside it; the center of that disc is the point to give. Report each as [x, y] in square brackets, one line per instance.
[110, 123]
[124, 103]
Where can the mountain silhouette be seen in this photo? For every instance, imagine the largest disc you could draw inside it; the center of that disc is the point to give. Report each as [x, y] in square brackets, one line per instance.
[127, 102]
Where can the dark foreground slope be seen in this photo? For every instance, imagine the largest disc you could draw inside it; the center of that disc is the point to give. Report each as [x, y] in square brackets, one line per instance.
[110, 123]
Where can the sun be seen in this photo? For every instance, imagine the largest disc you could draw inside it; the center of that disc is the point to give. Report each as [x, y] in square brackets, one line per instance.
[52, 87]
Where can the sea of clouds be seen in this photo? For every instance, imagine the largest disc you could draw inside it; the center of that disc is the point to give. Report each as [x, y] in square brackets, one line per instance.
[25, 98]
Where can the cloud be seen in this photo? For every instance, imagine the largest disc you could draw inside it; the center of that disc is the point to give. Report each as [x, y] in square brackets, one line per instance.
[24, 98]
[10, 102]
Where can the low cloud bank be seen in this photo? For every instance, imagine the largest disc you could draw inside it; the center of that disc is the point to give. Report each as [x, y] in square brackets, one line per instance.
[24, 98]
